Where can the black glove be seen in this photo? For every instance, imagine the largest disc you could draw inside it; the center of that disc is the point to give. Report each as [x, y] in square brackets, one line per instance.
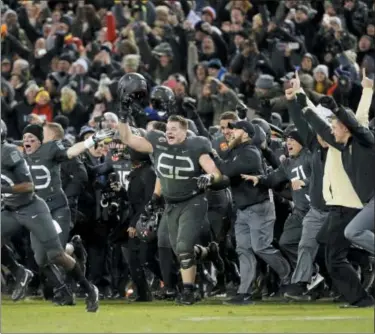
[155, 203]
[204, 181]
[241, 109]
[302, 100]
[125, 109]
[189, 106]
[329, 103]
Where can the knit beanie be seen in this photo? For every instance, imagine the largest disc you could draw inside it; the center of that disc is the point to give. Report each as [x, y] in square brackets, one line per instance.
[34, 129]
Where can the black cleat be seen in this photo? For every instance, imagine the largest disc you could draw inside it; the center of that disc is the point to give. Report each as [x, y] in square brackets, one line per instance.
[187, 297]
[63, 297]
[92, 300]
[217, 290]
[239, 299]
[24, 277]
[165, 294]
[297, 292]
[215, 258]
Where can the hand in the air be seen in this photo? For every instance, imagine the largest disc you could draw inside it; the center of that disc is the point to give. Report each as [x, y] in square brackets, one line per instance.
[328, 102]
[125, 108]
[252, 178]
[366, 82]
[204, 181]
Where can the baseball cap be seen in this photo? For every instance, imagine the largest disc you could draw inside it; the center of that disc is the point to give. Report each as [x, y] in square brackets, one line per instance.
[243, 125]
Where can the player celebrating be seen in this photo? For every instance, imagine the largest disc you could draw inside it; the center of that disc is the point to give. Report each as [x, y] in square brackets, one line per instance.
[178, 162]
[23, 208]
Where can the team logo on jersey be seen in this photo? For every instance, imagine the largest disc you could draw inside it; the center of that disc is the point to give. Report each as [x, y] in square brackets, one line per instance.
[162, 140]
[224, 146]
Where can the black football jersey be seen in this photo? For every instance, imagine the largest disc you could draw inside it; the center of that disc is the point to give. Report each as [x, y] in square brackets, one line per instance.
[177, 166]
[45, 169]
[14, 170]
[122, 167]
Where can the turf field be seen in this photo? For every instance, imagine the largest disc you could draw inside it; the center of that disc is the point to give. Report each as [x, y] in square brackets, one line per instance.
[38, 316]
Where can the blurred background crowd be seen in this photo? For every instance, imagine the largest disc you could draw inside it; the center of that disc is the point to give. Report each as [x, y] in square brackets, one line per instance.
[63, 58]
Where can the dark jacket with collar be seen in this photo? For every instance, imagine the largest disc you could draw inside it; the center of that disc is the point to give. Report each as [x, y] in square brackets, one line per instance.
[318, 157]
[244, 159]
[358, 154]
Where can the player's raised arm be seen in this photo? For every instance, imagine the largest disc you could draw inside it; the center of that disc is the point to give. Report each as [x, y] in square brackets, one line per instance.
[134, 141]
[132, 87]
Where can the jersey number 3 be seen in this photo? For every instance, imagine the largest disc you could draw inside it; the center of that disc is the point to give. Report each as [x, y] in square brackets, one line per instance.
[166, 166]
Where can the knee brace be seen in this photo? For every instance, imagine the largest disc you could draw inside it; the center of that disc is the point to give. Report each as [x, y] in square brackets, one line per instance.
[187, 260]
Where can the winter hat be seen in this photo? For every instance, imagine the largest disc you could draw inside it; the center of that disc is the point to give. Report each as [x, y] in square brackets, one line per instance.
[42, 93]
[215, 63]
[292, 132]
[265, 81]
[36, 130]
[66, 20]
[210, 11]
[62, 120]
[67, 56]
[85, 130]
[321, 69]
[162, 49]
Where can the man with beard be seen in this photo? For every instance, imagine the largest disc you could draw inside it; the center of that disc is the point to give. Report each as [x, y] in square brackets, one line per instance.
[44, 154]
[255, 212]
[178, 163]
[23, 208]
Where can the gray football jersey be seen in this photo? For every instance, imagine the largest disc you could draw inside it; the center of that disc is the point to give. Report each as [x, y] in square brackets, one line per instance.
[14, 170]
[45, 169]
[177, 166]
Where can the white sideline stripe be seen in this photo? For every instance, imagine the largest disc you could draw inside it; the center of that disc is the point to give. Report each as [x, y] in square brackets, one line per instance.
[273, 318]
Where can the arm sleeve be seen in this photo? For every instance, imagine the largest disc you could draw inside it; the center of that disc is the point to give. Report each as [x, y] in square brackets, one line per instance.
[364, 136]
[19, 166]
[303, 127]
[271, 158]
[362, 113]
[322, 128]
[240, 165]
[273, 179]
[58, 151]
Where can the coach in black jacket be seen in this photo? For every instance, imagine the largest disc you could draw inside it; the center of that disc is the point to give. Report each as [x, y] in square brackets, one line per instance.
[255, 212]
[356, 143]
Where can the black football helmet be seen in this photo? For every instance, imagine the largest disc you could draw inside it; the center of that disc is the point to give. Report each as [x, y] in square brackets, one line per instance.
[163, 100]
[132, 90]
[4, 131]
[147, 226]
[265, 126]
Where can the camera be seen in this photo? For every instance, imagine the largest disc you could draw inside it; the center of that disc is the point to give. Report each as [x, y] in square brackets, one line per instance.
[113, 178]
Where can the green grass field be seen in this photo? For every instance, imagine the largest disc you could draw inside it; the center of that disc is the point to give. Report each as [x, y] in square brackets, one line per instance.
[38, 316]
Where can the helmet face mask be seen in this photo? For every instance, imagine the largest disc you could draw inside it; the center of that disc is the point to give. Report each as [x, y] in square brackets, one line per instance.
[163, 101]
[132, 90]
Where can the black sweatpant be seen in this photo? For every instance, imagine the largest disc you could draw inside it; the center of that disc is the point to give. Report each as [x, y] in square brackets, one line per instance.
[344, 277]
